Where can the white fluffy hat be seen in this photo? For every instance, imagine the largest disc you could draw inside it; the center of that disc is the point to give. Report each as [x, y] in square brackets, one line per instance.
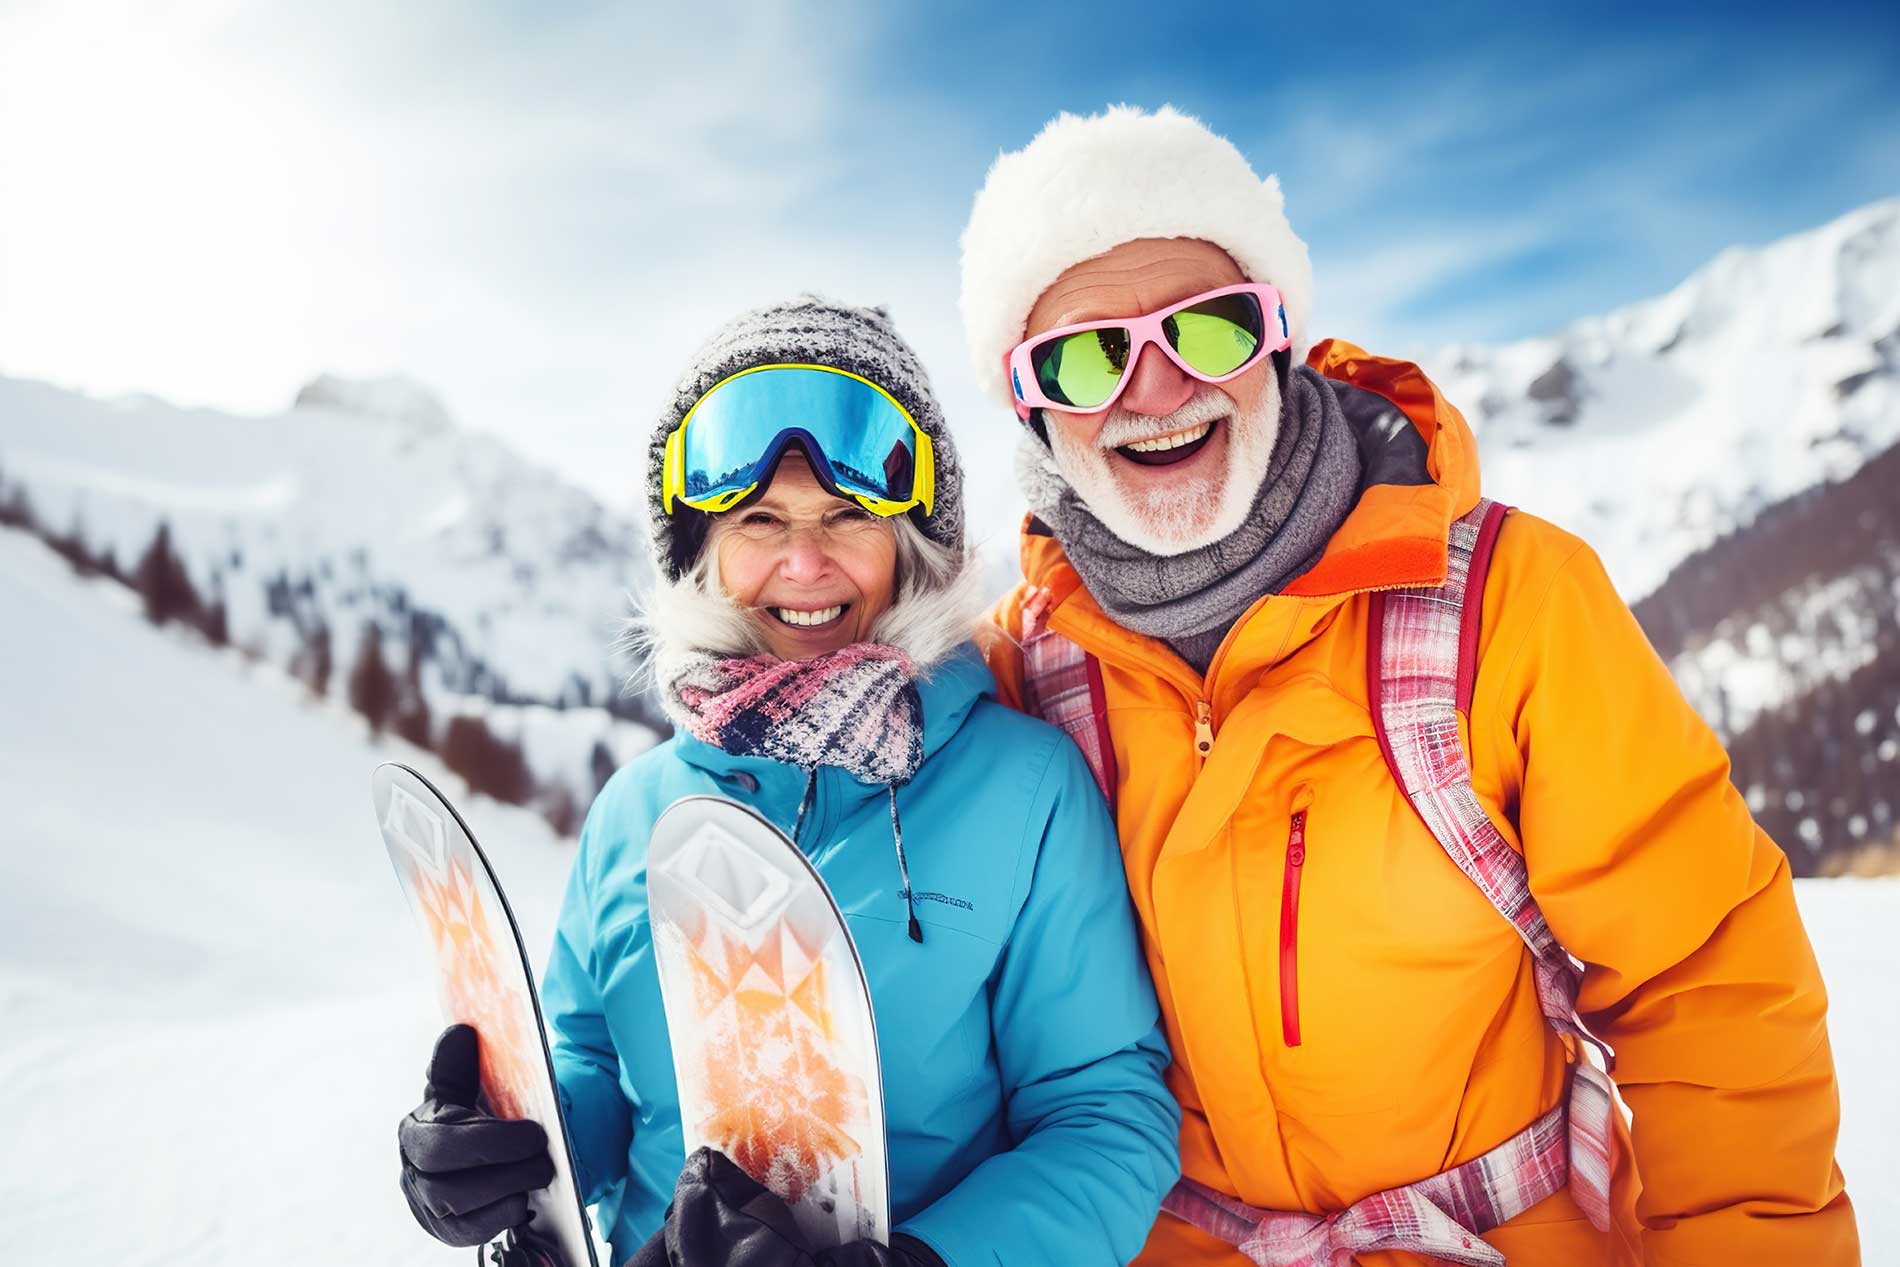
[1086, 185]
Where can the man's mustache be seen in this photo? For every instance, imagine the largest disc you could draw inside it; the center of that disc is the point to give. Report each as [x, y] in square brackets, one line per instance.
[1124, 426]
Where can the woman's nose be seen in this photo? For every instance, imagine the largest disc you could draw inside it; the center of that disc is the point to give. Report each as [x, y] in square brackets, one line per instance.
[1156, 386]
[806, 558]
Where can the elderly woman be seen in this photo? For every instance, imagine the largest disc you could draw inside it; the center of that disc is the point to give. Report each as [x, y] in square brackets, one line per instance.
[809, 631]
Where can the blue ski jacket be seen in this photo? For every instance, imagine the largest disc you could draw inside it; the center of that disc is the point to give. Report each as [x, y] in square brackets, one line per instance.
[1025, 1110]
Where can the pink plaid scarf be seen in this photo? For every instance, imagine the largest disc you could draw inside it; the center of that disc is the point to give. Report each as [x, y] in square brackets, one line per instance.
[856, 708]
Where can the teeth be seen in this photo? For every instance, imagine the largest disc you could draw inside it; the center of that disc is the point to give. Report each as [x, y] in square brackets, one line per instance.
[1161, 444]
[792, 616]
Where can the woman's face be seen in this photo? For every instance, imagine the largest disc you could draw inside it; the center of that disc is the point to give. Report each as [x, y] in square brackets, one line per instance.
[816, 571]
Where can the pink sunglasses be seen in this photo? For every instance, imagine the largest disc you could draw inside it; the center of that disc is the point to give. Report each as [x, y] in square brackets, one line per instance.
[1213, 336]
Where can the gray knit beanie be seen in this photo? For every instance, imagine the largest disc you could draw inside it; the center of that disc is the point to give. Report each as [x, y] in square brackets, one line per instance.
[811, 331]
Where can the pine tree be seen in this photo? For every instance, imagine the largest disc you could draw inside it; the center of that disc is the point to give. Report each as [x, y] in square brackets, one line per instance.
[412, 706]
[491, 765]
[314, 661]
[163, 583]
[15, 510]
[372, 686]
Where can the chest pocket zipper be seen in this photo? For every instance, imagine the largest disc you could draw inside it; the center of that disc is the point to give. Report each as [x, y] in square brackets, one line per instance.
[1296, 848]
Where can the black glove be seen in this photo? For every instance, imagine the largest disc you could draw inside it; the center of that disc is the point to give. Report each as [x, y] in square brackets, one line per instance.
[903, 1251]
[467, 1173]
[722, 1217]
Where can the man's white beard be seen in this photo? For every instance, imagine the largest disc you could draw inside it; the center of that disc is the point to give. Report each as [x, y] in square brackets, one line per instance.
[1177, 515]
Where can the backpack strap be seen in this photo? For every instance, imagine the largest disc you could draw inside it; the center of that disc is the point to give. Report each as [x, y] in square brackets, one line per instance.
[1421, 665]
[1420, 662]
[1062, 684]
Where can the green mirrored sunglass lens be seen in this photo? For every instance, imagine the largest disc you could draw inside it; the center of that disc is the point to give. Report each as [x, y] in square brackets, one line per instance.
[1219, 336]
[1082, 369]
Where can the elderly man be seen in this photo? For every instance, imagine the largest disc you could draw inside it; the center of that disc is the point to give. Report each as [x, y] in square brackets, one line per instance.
[1422, 836]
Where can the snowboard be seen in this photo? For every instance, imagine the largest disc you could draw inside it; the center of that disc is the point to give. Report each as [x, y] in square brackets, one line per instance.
[769, 1016]
[483, 977]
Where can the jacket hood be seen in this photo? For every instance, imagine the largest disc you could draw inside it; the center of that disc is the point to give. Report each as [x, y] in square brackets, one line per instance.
[1422, 476]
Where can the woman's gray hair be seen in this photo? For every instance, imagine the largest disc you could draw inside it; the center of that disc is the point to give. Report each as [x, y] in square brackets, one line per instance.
[936, 606]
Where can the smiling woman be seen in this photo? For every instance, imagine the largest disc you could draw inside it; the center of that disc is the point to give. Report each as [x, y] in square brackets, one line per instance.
[816, 570]
[811, 636]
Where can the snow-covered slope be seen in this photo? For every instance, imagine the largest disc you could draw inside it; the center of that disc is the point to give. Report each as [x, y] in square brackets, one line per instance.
[1656, 429]
[212, 1004]
[363, 502]
[212, 1007]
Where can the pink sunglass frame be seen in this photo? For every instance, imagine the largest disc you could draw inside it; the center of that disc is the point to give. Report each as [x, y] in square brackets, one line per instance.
[1142, 331]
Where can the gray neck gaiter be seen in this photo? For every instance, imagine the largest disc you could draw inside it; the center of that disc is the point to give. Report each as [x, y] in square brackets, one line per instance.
[1190, 600]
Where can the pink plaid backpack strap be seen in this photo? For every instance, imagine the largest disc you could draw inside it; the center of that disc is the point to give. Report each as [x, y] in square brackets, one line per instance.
[1062, 684]
[1421, 665]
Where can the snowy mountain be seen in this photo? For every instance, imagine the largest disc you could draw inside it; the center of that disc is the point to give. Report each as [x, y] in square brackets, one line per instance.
[1732, 449]
[1657, 429]
[495, 589]
[1690, 438]
[393, 397]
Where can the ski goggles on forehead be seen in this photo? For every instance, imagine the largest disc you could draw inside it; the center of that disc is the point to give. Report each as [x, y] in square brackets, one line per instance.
[1213, 337]
[862, 444]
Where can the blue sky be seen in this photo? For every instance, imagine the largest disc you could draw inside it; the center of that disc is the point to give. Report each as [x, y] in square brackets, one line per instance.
[1537, 162]
[539, 208]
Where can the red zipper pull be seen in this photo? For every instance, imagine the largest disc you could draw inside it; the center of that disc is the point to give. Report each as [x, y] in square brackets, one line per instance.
[1290, 931]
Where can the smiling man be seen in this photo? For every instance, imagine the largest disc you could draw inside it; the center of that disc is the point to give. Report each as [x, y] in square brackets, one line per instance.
[1422, 836]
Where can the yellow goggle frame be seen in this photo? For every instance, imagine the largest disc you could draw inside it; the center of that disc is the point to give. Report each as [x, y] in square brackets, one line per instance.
[673, 468]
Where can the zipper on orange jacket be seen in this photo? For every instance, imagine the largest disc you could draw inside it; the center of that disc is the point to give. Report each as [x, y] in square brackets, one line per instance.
[1290, 931]
[1189, 687]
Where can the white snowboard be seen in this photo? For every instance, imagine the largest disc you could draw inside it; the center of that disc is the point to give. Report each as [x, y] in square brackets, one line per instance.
[483, 978]
[774, 1046]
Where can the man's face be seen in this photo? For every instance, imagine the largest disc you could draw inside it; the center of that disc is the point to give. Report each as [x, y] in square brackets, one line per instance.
[1198, 489]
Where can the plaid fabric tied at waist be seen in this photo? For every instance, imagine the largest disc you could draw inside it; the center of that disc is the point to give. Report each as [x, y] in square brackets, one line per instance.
[1442, 1216]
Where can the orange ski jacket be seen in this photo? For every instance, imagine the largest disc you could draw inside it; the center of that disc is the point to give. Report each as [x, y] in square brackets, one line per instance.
[1377, 1021]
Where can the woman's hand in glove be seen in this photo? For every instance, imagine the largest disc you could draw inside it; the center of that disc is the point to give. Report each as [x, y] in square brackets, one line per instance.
[466, 1173]
[722, 1217]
